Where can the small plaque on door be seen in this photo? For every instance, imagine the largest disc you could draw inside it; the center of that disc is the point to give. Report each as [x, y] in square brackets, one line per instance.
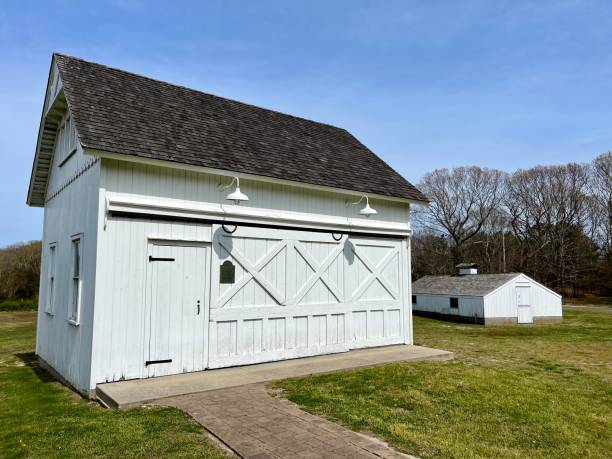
[227, 273]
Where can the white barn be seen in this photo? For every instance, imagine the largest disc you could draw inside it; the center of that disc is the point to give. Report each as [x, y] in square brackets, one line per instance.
[490, 299]
[185, 231]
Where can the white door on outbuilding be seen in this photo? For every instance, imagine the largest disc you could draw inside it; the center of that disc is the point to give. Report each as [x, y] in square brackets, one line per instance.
[523, 304]
[176, 314]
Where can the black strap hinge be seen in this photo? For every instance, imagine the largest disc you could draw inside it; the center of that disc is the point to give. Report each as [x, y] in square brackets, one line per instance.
[152, 362]
[160, 259]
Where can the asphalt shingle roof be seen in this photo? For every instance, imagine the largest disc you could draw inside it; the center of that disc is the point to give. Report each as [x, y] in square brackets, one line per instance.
[471, 284]
[120, 112]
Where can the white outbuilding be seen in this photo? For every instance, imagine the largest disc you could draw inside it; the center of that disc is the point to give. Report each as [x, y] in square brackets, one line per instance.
[185, 231]
[490, 299]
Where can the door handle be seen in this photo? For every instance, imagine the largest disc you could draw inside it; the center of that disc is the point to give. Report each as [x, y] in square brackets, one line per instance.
[198, 307]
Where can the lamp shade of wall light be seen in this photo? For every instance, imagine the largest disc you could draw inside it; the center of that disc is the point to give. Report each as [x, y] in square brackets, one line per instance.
[237, 196]
[367, 211]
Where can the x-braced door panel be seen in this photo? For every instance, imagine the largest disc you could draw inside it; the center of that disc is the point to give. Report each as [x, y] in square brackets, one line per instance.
[281, 293]
[375, 290]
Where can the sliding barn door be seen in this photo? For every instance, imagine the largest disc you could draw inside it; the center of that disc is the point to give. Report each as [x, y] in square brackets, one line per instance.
[280, 294]
[375, 291]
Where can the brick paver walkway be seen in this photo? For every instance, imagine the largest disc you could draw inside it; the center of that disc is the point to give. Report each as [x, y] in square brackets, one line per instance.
[255, 425]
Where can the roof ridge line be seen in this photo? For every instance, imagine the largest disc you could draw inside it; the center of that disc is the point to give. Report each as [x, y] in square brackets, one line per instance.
[156, 80]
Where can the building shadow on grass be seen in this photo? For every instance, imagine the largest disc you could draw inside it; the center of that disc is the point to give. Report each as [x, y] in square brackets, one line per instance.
[30, 360]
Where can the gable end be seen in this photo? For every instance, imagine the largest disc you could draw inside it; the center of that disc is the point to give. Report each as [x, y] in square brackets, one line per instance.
[54, 108]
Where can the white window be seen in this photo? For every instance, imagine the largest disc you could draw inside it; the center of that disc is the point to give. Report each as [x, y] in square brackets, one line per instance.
[66, 143]
[59, 143]
[71, 145]
[76, 281]
[49, 305]
[54, 84]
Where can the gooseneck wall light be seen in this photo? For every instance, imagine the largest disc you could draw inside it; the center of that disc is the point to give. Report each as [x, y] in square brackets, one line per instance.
[367, 211]
[237, 196]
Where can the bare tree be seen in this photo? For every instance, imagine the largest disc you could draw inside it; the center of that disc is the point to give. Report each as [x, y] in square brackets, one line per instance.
[462, 200]
[549, 208]
[600, 186]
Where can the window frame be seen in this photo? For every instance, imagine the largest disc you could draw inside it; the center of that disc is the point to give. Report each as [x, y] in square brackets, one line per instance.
[76, 279]
[414, 299]
[67, 139]
[51, 279]
[455, 300]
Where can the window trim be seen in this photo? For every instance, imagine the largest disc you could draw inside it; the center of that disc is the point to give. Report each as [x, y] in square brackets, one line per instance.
[75, 319]
[59, 141]
[69, 155]
[66, 136]
[51, 279]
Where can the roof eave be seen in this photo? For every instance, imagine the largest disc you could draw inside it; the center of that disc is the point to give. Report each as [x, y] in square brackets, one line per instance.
[52, 111]
[242, 175]
[30, 201]
[55, 111]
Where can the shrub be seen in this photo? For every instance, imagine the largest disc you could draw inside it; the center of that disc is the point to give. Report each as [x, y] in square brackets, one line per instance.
[19, 305]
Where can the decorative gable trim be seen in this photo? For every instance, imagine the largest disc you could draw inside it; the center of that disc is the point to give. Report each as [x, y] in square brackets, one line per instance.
[72, 178]
[54, 108]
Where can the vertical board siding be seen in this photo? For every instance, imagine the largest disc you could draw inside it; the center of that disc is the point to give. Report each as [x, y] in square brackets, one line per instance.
[174, 324]
[297, 293]
[121, 317]
[328, 296]
[336, 329]
[188, 186]
[503, 301]
[469, 306]
[73, 210]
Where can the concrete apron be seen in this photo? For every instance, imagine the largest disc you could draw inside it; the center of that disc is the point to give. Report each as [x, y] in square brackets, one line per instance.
[125, 394]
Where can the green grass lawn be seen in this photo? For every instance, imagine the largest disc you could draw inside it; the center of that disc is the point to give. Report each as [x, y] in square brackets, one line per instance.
[41, 418]
[511, 392]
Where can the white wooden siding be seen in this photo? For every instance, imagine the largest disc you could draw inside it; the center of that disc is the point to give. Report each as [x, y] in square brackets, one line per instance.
[55, 86]
[121, 314]
[316, 301]
[182, 186]
[63, 172]
[176, 299]
[502, 302]
[72, 208]
[299, 293]
[469, 306]
[283, 303]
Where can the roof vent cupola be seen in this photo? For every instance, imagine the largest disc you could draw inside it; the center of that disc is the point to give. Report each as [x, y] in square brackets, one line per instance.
[464, 269]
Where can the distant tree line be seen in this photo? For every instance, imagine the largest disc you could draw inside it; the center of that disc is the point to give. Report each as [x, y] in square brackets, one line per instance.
[553, 223]
[19, 271]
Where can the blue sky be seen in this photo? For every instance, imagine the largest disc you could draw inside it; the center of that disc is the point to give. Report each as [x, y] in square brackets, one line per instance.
[424, 84]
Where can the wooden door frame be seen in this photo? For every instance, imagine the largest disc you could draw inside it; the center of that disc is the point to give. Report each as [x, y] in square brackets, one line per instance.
[527, 287]
[146, 321]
